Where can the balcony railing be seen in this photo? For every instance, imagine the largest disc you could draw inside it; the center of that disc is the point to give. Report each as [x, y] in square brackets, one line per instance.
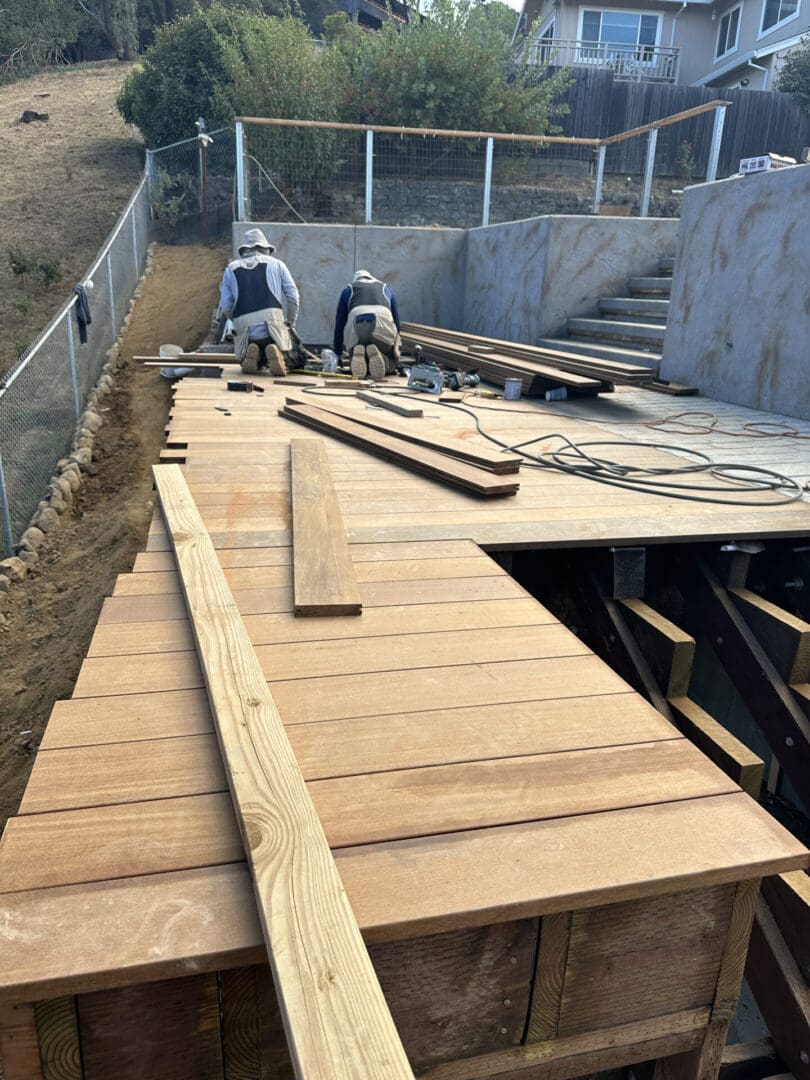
[643, 63]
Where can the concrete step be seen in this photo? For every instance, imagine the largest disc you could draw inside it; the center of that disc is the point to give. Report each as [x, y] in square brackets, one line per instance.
[650, 286]
[610, 331]
[666, 266]
[653, 319]
[646, 356]
[631, 305]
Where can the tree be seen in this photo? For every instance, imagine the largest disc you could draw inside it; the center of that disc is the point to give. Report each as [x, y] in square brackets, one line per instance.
[794, 78]
[222, 60]
[451, 70]
[118, 19]
[34, 32]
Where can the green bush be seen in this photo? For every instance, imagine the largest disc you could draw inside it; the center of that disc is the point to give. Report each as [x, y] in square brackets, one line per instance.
[189, 71]
[794, 77]
[452, 70]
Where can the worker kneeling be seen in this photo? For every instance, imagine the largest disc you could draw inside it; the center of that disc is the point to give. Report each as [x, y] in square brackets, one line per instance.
[367, 326]
[255, 290]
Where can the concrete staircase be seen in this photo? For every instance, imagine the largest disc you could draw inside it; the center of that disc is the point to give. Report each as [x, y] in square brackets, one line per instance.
[629, 328]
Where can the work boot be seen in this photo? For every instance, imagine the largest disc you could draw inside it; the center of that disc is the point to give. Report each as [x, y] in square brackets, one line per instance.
[359, 368]
[376, 363]
[275, 361]
[250, 365]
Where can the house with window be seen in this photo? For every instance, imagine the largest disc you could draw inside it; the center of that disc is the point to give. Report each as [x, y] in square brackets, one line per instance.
[722, 43]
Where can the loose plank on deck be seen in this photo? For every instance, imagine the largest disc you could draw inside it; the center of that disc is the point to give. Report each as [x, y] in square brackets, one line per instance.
[324, 581]
[326, 985]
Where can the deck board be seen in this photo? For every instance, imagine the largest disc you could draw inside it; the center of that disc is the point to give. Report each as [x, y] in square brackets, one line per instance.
[471, 761]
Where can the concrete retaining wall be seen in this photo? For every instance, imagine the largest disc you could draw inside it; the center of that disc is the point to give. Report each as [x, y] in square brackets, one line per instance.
[739, 322]
[425, 268]
[521, 280]
[525, 279]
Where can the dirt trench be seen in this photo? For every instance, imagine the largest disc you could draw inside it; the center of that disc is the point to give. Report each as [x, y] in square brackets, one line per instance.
[47, 620]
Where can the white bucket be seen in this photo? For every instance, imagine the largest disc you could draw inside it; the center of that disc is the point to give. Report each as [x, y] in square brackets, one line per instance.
[171, 352]
[512, 389]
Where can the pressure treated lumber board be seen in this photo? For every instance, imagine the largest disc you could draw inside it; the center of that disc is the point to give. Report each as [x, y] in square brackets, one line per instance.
[324, 581]
[719, 745]
[308, 925]
[404, 453]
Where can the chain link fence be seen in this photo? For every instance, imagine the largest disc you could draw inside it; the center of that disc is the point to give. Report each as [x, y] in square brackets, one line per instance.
[42, 398]
[191, 186]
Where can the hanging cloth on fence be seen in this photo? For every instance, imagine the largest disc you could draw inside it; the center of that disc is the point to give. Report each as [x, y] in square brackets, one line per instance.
[82, 311]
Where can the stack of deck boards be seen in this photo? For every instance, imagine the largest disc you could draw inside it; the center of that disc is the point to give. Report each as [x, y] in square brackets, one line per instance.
[422, 455]
[538, 368]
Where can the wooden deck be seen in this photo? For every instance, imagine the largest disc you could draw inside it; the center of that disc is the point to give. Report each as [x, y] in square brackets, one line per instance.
[473, 764]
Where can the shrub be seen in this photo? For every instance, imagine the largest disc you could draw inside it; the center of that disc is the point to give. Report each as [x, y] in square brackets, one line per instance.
[452, 70]
[189, 71]
[794, 78]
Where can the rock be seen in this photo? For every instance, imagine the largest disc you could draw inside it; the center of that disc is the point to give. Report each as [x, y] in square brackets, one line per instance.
[72, 474]
[82, 457]
[91, 469]
[57, 503]
[62, 486]
[4, 583]
[62, 463]
[31, 538]
[85, 441]
[13, 568]
[29, 116]
[29, 557]
[48, 519]
[92, 421]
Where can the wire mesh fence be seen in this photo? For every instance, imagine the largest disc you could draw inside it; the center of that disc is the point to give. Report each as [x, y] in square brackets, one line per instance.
[191, 185]
[42, 398]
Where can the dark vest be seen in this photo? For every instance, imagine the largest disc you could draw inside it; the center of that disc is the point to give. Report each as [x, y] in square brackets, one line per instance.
[254, 293]
[369, 294]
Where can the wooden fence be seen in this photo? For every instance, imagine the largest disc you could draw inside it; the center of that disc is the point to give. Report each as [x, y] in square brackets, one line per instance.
[757, 122]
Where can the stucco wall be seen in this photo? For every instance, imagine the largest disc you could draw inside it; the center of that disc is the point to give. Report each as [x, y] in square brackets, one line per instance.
[425, 268]
[739, 319]
[526, 278]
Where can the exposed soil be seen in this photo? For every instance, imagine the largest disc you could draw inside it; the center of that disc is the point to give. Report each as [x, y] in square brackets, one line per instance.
[47, 620]
[65, 181]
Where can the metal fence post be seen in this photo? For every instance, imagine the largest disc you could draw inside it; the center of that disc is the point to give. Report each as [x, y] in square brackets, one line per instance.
[600, 175]
[717, 138]
[241, 200]
[74, 382]
[369, 174]
[135, 244]
[487, 181]
[149, 169]
[112, 298]
[649, 168]
[4, 512]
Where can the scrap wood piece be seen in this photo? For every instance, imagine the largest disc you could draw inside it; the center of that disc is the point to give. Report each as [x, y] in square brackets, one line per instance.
[337, 1022]
[481, 456]
[383, 402]
[430, 462]
[324, 581]
[674, 389]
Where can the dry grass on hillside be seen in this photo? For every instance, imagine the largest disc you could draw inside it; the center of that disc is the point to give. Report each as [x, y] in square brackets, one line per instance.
[64, 183]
